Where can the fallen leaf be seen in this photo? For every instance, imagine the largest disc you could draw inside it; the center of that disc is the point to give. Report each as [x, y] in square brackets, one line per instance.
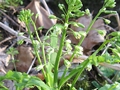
[85, 20]
[4, 60]
[24, 58]
[42, 19]
[93, 37]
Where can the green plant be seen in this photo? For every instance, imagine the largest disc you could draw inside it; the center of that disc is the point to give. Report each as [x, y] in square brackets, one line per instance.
[54, 52]
[12, 51]
[22, 80]
[10, 3]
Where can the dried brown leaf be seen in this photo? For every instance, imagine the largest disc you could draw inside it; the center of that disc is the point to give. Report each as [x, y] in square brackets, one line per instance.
[42, 19]
[93, 38]
[85, 20]
[24, 58]
[4, 60]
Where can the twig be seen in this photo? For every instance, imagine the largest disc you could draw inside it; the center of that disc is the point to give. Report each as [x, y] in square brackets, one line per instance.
[13, 32]
[108, 45]
[106, 78]
[95, 79]
[31, 65]
[11, 19]
[46, 6]
[48, 10]
[6, 39]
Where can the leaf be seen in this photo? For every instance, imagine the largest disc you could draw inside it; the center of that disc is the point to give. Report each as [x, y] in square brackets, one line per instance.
[4, 60]
[107, 71]
[53, 40]
[53, 58]
[24, 80]
[114, 86]
[38, 83]
[92, 38]
[42, 19]
[24, 58]
[96, 84]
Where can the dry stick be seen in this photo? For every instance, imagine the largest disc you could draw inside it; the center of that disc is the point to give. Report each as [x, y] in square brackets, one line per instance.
[106, 78]
[95, 78]
[31, 65]
[47, 8]
[6, 39]
[11, 19]
[13, 32]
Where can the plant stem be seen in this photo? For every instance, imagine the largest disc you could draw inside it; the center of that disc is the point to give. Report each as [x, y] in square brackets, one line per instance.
[36, 52]
[58, 57]
[42, 45]
[59, 53]
[106, 42]
[87, 31]
[79, 69]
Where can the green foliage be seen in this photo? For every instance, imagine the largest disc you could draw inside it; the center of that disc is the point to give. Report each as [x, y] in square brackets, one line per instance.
[114, 86]
[23, 80]
[55, 49]
[12, 51]
[10, 3]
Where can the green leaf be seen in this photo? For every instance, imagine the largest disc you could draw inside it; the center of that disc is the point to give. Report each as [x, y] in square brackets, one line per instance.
[20, 42]
[53, 40]
[78, 69]
[115, 51]
[115, 86]
[24, 80]
[118, 48]
[38, 83]
[2, 87]
[49, 74]
[96, 84]
[53, 57]
[107, 71]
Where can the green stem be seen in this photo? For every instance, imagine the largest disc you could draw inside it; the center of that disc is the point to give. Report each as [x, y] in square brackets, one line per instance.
[102, 46]
[43, 51]
[87, 31]
[59, 53]
[81, 40]
[79, 69]
[36, 51]
[58, 57]
[14, 62]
